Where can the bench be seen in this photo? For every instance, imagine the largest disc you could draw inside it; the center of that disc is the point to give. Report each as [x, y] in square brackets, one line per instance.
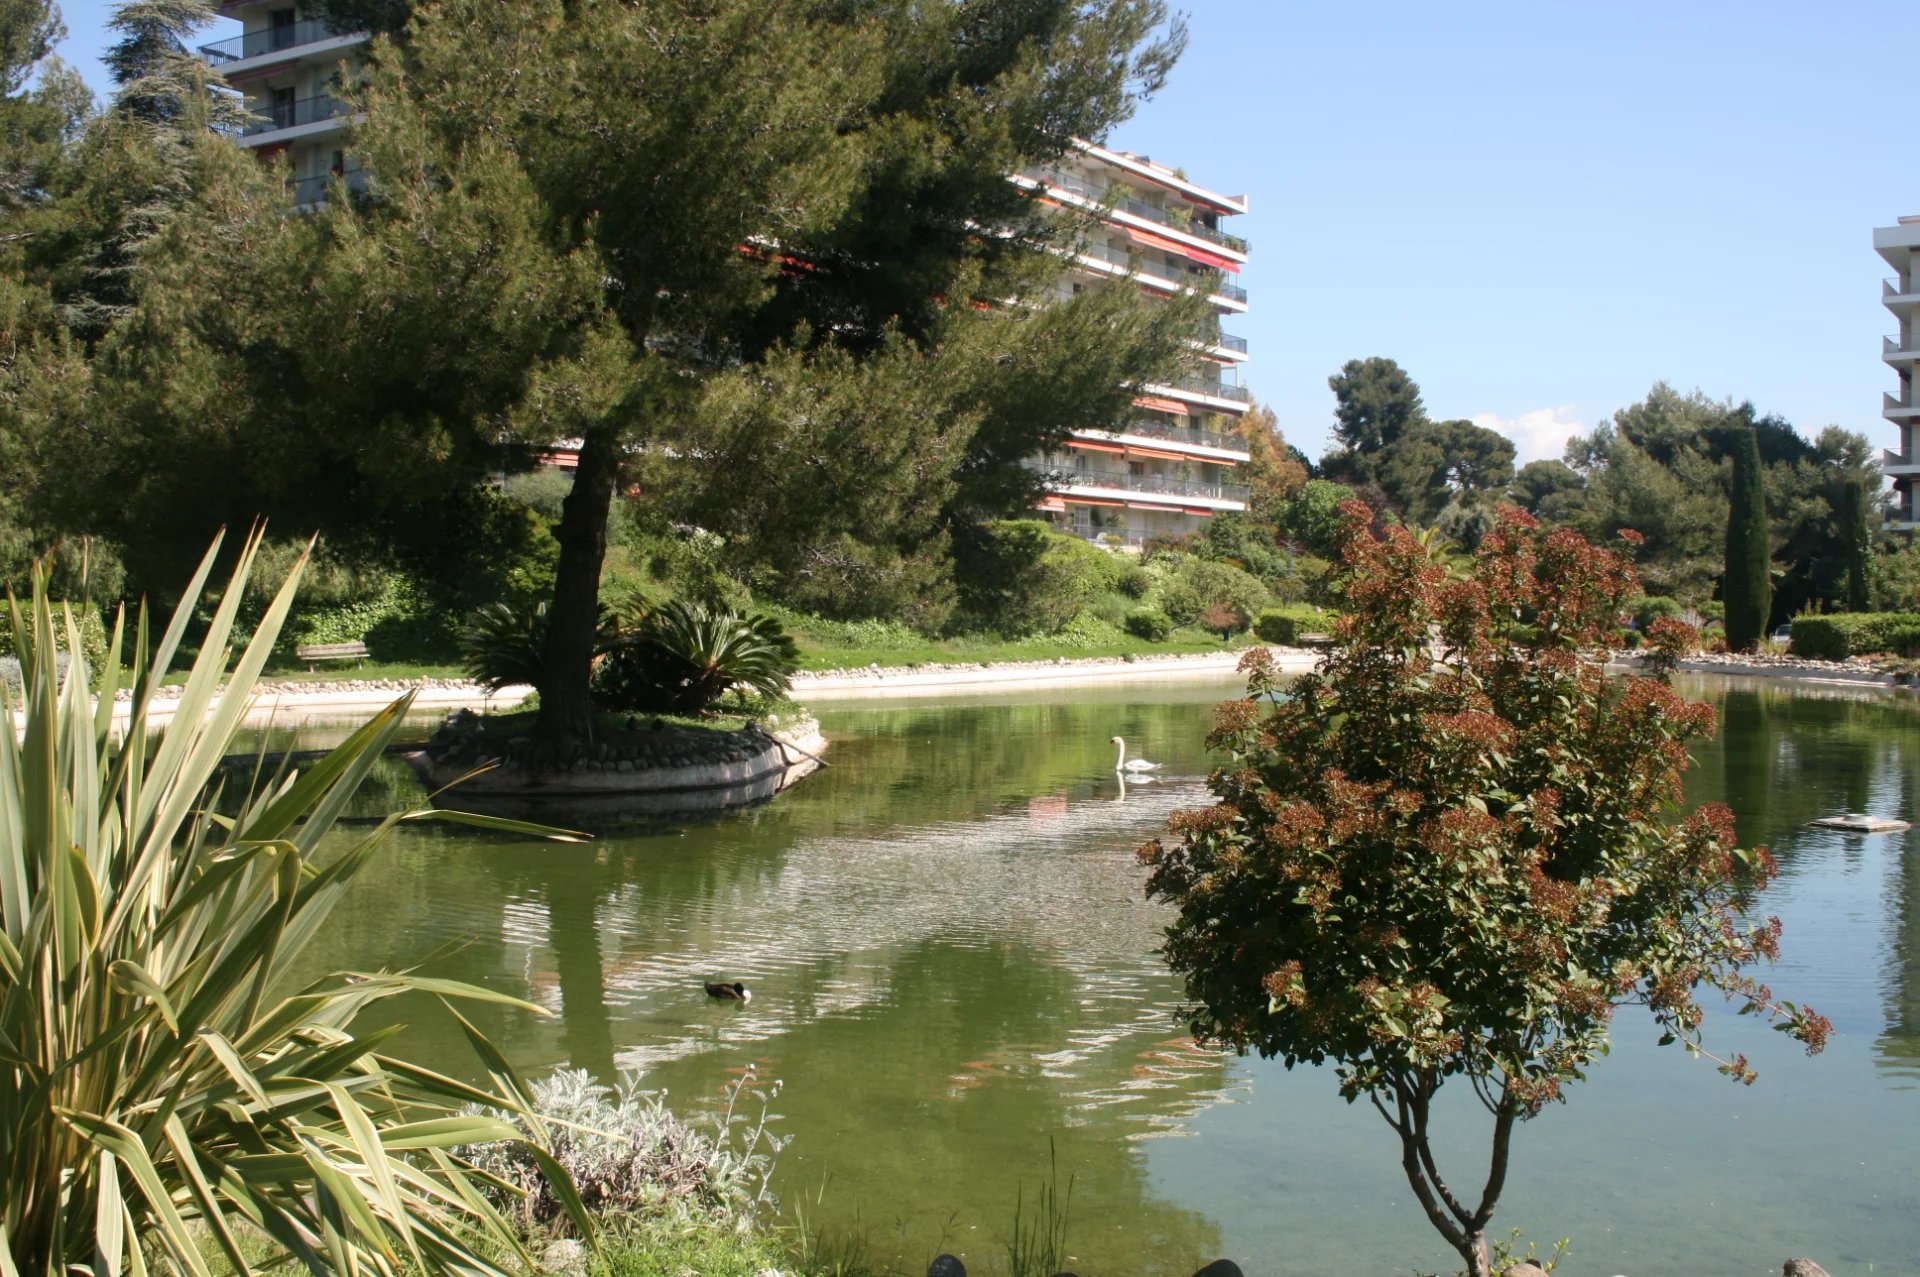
[355, 652]
[1313, 640]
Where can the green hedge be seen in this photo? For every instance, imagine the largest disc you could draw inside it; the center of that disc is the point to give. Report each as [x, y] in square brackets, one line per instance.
[1150, 624]
[93, 633]
[1838, 635]
[1285, 625]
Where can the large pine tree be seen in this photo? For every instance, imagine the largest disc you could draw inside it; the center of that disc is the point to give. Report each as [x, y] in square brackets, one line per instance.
[794, 203]
[1747, 588]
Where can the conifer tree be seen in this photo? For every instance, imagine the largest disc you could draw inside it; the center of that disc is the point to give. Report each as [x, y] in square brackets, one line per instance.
[1857, 538]
[1747, 587]
[780, 194]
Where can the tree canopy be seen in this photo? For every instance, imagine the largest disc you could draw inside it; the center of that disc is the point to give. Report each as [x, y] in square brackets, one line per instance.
[1451, 861]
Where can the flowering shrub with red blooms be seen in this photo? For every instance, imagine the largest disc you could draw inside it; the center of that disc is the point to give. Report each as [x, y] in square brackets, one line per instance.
[1451, 852]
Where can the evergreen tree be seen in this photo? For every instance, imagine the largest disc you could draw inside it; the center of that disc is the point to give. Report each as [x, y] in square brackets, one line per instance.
[1857, 539]
[785, 192]
[157, 77]
[1747, 587]
[1376, 403]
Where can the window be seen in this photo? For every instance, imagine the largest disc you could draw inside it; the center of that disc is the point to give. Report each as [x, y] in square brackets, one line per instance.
[281, 30]
[281, 109]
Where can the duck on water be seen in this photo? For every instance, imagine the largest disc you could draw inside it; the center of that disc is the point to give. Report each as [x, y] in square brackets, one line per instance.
[735, 992]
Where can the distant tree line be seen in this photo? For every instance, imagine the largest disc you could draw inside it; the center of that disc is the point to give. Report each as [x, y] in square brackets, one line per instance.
[1706, 482]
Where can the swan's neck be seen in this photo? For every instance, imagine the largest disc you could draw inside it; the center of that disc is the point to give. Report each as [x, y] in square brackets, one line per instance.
[1121, 761]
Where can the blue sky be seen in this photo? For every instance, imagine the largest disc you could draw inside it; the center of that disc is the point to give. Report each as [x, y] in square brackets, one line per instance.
[1542, 209]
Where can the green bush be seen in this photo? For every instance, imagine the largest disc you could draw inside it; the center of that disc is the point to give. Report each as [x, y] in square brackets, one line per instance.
[1285, 625]
[1150, 624]
[1200, 584]
[1134, 581]
[404, 622]
[1838, 635]
[1019, 576]
[1650, 608]
[93, 634]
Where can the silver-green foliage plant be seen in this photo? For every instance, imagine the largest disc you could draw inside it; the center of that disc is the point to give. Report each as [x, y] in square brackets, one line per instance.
[633, 1162]
[164, 1093]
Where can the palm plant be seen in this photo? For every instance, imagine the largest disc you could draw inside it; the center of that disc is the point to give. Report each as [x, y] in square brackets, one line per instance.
[502, 645]
[162, 1088]
[683, 656]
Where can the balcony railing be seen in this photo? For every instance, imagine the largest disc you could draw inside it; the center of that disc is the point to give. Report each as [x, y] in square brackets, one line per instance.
[1895, 287]
[1214, 389]
[1214, 282]
[287, 115]
[1116, 198]
[1123, 481]
[311, 190]
[271, 40]
[1154, 428]
[1896, 345]
[1227, 341]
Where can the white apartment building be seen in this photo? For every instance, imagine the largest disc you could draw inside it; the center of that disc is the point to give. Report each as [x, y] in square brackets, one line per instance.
[291, 68]
[1900, 246]
[1172, 466]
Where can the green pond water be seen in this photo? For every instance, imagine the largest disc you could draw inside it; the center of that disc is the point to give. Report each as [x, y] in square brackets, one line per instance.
[954, 980]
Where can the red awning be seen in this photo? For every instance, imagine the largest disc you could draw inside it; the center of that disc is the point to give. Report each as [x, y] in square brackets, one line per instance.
[1051, 504]
[1191, 510]
[1173, 406]
[1213, 259]
[1155, 241]
[1071, 500]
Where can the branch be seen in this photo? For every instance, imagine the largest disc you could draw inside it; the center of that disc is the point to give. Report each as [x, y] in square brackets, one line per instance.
[1497, 1171]
[1422, 1099]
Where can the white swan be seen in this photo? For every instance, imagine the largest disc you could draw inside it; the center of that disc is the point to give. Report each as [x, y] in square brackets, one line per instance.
[1122, 765]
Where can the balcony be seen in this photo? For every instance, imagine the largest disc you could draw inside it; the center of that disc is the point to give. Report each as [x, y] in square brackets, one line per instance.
[1893, 351]
[1158, 272]
[292, 115]
[1155, 428]
[1115, 197]
[283, 39]
[1893, 410]
[1211, 389]
[1227, 341]
[1893, 296]
[1151, 484]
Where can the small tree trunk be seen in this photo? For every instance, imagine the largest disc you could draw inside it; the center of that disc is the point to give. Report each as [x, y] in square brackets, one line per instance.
[1473, 1249]
[573, 619]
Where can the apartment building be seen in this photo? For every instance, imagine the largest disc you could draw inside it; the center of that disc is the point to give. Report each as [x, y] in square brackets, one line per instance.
[1171, 466]
[1899, 245]
[291, 67]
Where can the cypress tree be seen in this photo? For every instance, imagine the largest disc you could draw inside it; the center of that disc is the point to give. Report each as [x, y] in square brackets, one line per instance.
[1857, 539]
[1747, 587]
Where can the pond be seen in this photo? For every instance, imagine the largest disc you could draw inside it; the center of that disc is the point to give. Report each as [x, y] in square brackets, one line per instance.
[954, 978]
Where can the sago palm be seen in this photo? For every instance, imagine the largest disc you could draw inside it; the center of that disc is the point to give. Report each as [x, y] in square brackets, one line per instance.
[164, 1090]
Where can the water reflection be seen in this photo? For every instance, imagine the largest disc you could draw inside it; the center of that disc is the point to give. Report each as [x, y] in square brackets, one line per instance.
[953, 966]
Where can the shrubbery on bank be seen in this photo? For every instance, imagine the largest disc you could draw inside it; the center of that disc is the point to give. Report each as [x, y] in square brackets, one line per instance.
[1839, 635]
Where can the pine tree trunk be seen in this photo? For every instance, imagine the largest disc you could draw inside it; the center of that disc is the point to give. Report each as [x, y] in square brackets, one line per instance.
[573, 619]
[1747, 589]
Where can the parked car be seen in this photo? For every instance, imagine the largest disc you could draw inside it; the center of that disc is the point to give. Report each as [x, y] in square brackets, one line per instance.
[1784, 634]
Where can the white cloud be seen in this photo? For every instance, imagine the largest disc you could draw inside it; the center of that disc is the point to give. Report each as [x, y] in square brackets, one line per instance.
[1540, 435]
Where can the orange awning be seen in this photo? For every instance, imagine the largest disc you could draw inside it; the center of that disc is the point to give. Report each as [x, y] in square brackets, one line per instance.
[1051, 504]
[1095, 447]
[1156, 241]
[1191, 510]
[1213, 259]
[1070, 500]
[1157, 454]
[1173, 406]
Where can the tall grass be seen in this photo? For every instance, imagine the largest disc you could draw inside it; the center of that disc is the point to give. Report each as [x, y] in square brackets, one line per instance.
[163, 1098]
